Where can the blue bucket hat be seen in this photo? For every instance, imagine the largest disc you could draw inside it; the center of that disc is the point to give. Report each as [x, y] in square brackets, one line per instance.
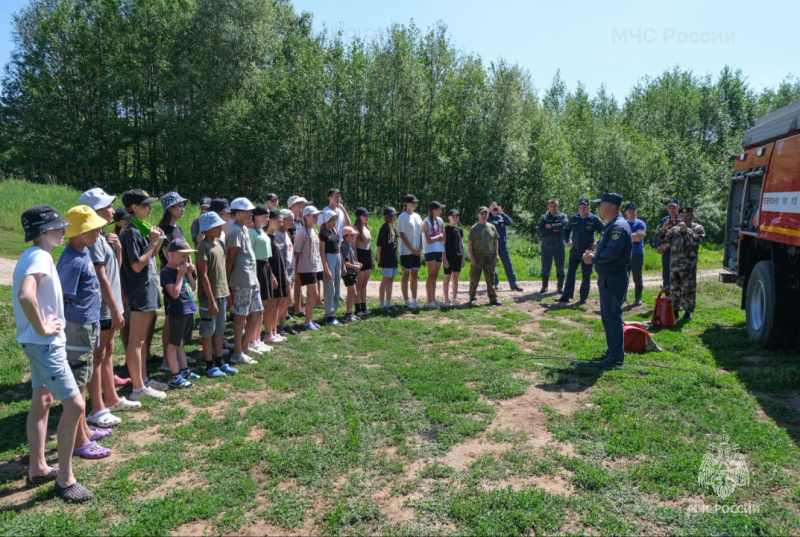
[171, 198]
[210, 219]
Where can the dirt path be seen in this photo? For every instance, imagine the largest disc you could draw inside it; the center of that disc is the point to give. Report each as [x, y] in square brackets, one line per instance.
[650, 280]
[7, 270]
[529, 287]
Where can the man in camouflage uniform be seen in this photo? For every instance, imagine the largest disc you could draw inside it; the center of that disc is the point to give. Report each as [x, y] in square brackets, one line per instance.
[683, 240]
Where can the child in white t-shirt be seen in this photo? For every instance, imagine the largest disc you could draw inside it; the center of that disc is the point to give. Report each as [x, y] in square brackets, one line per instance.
[39, 316]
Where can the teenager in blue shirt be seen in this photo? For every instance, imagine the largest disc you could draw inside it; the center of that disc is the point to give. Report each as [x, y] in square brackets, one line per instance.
[638, 230]
[501, 221]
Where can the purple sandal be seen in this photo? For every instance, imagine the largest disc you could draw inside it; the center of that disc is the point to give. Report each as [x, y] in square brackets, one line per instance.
[92, 450]
[99, 433]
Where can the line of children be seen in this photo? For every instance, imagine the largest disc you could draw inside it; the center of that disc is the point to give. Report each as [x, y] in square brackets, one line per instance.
[107, 282]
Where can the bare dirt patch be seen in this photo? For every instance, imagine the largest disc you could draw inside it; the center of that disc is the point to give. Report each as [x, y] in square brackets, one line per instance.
[192, 529]
[394, 507]
[523, 414]
[145, 437]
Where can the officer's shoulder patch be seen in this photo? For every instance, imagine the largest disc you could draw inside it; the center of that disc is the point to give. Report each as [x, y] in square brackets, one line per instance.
[616, 233]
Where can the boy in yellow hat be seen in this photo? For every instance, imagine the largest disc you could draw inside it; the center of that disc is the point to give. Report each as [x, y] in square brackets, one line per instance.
[82, 300]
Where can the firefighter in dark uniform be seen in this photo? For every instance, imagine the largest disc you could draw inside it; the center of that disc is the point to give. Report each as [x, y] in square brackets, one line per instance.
[579, 235]
[672, 208]
[551, 228]
[611, 259]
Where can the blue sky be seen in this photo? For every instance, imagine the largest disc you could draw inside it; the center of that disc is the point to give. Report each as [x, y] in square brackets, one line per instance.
[612, 43]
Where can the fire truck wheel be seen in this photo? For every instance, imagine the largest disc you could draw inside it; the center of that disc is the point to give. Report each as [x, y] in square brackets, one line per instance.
[761, 308]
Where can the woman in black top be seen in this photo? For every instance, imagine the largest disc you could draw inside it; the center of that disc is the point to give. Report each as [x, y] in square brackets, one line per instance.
[387, 257]
[139, 282]
[280, 293]
[364, 256]
[454, 258]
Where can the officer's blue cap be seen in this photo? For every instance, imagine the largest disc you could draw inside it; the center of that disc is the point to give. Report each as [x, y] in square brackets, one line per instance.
[610, 197]
[630, 206]
[583, 200]
[672, 202]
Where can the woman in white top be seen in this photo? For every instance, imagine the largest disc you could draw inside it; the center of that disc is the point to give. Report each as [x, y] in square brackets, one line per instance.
[409, 229]
[433, 231]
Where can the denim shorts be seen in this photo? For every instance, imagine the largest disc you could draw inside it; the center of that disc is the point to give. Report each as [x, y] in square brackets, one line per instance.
[81, 341]
[433, 256]
[49, 369]
[247, 300]
[213, 326]
[389, 272]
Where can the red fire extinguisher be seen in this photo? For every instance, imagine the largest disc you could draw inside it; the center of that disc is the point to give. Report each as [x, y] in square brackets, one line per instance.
[663, 314]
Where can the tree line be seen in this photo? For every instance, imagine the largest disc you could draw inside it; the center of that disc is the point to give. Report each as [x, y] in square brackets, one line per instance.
[241, 97]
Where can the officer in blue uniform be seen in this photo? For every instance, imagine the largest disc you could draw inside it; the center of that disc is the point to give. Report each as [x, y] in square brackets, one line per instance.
[672, 209]
[579, 235]
[500, 221]
[611, 259]
[551, 228]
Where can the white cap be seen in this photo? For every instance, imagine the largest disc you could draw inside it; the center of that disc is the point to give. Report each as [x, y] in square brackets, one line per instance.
[286, 213]
[310, 210]
[242, 204]
[328, 214]
[295, 199]
[96, 198]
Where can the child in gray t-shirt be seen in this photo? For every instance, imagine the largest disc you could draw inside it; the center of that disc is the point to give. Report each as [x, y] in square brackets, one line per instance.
[241, 271]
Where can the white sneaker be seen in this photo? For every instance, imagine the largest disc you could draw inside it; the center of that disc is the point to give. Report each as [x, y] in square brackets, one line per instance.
[259, 345]
[409, 304]
[254, 349]
[147, 391]
[150, 383]
[242, 359]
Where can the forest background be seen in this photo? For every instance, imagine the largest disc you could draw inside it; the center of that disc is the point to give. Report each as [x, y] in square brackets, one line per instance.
[242, 97]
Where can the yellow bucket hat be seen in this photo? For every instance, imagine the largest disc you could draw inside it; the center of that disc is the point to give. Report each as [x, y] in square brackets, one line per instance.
[82, 219]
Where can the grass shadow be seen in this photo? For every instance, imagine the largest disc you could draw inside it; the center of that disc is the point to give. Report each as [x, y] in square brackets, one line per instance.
[772, 377]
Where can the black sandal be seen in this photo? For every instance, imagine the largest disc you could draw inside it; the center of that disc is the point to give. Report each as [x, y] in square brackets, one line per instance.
[39, 480]
[75, 493]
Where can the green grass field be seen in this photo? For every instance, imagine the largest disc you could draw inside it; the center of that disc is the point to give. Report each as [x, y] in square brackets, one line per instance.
[16, 196]
[449, 422]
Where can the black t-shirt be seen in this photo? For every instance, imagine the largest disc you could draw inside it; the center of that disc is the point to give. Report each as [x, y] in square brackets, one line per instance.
[329, 240]
[387, 241]
[453, 241]
[141, 288]
[172, 233]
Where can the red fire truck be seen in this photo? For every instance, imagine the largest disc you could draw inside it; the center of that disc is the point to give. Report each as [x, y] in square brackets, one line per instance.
[762, 238]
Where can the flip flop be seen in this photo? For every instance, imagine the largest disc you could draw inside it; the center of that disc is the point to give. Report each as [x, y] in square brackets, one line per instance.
[104, 419]
[124, 405]
[39, 480]
[99, 433]
[92, 450]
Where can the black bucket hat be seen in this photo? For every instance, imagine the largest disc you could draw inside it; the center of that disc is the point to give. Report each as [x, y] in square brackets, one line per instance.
[40, 219]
